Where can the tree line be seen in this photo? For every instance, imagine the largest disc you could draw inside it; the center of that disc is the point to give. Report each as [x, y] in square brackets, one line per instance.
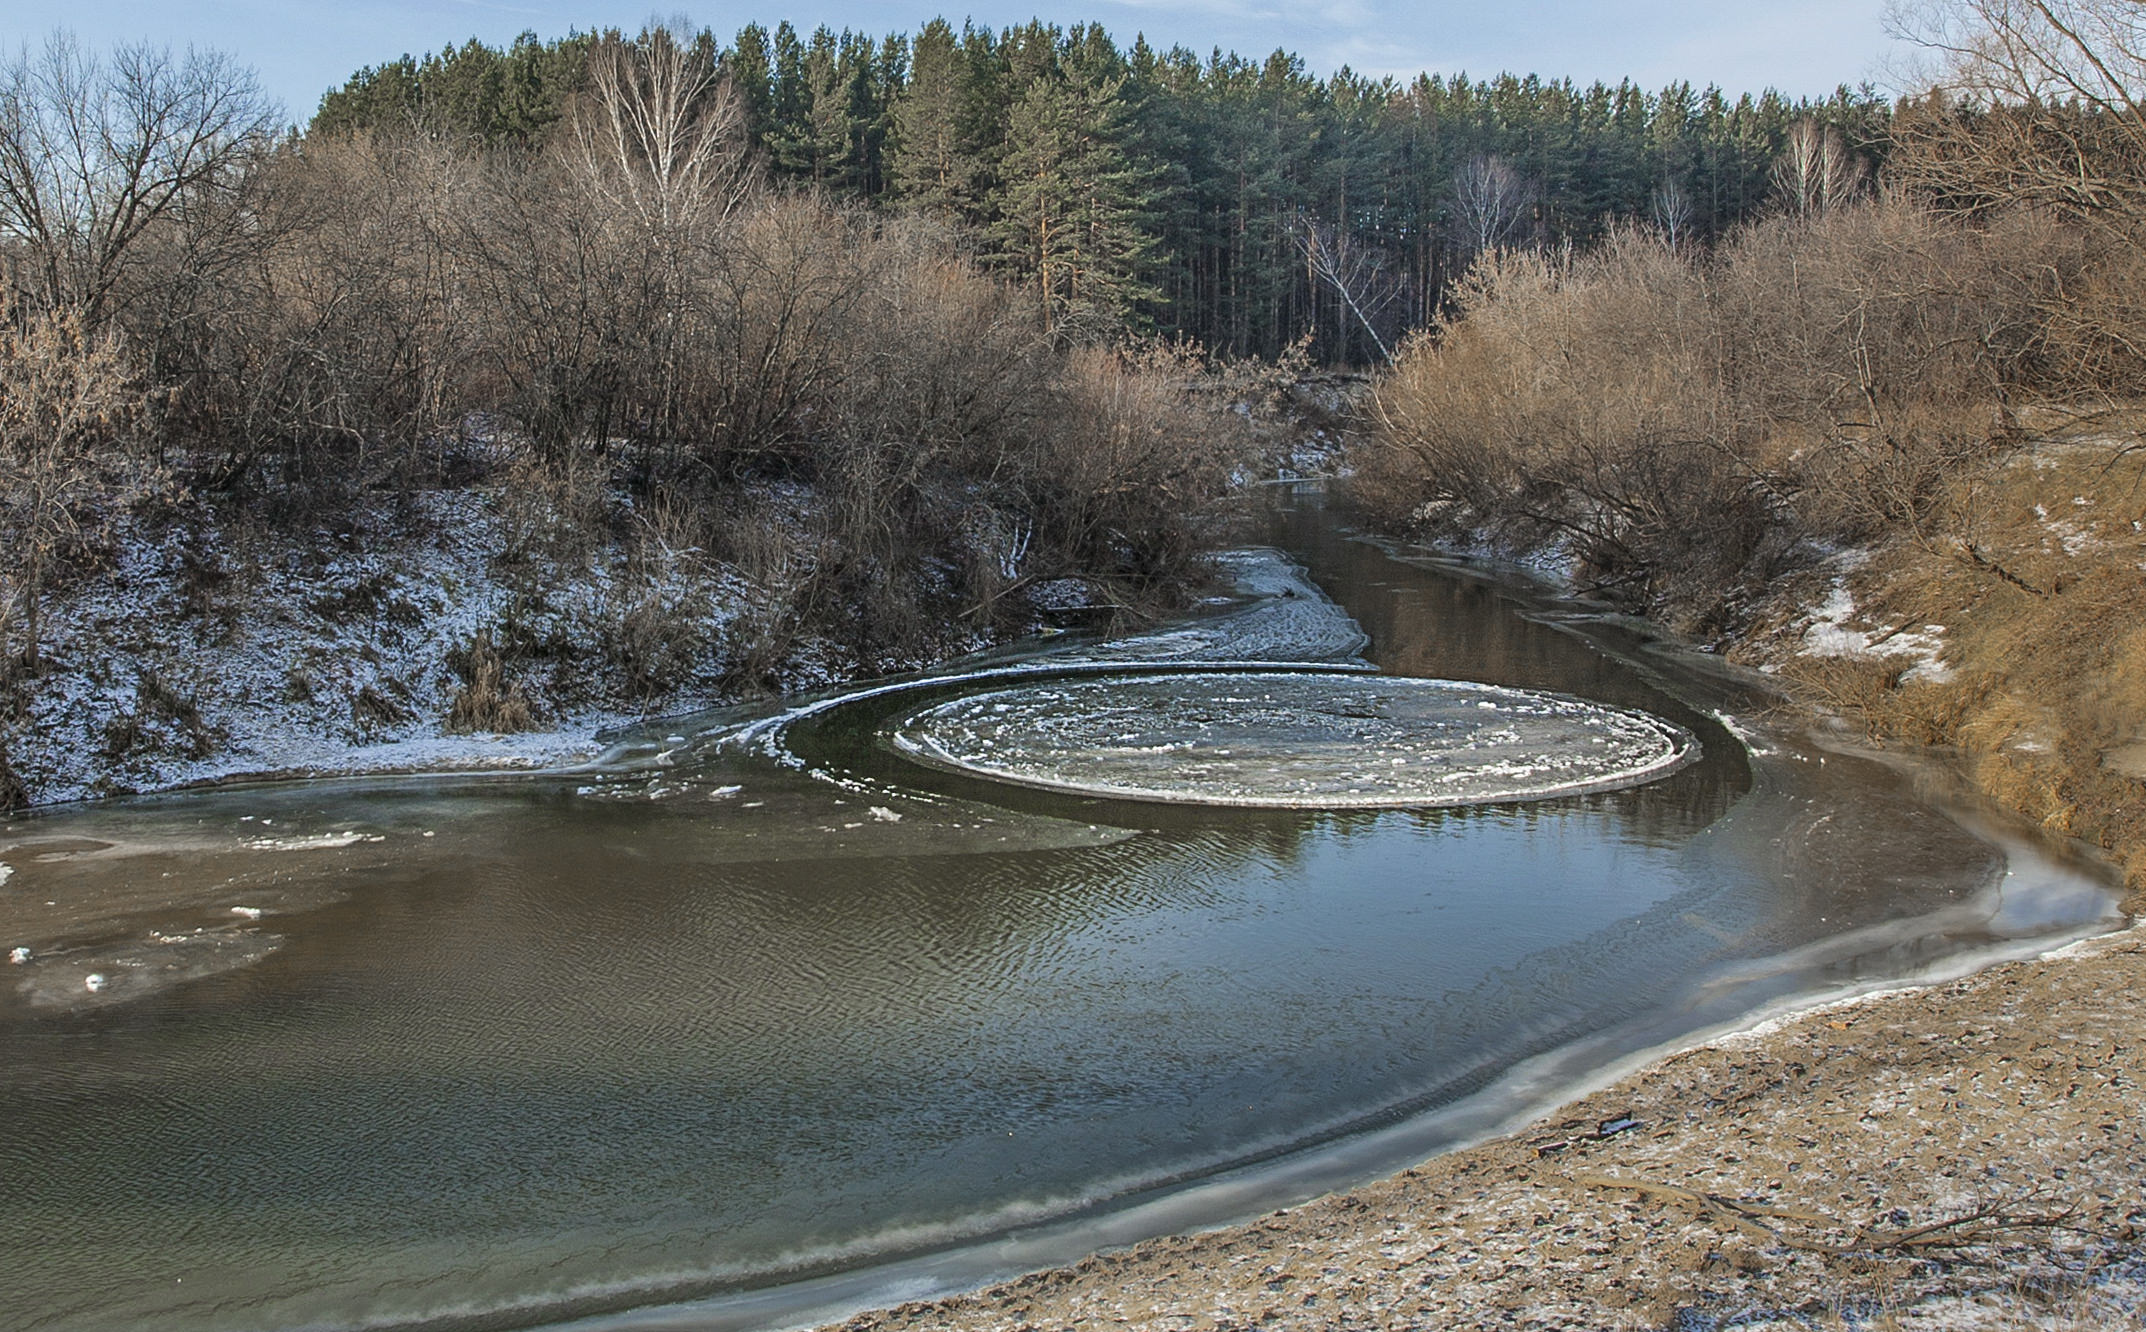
[1242, 204]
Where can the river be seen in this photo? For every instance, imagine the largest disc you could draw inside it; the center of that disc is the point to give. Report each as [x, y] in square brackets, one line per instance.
[782, 1010]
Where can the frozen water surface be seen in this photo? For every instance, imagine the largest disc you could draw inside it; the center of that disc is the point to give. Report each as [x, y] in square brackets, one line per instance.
[1287, 739]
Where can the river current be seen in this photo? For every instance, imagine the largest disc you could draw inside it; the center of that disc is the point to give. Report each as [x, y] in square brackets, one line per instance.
[778, 1011]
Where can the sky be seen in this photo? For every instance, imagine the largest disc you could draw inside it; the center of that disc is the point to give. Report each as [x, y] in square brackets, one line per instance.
[301, 48]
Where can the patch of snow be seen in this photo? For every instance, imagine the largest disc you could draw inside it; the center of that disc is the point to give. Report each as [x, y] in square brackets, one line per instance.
[1749, 738]
[206, 652]
[1827, 634]
[1281, 616]
[2071, 537]
[7, 872]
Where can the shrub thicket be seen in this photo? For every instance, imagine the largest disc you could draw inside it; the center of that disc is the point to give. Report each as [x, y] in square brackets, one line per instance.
[1683, 423]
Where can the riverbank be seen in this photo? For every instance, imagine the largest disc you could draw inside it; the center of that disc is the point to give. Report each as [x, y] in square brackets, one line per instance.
[1961, 1154]
[1342, 1242]
[1966, 1153]
[2014, 644]
[505, 620]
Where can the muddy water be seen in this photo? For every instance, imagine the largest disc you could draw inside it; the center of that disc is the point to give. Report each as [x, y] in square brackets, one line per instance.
[762, 999]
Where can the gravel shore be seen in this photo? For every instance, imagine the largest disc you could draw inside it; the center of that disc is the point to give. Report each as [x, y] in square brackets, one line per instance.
[1970, 1154]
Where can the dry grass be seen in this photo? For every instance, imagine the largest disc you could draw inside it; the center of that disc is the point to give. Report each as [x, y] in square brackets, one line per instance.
[2043, 595]
[13, 794]
[487, 701]
[163, 720]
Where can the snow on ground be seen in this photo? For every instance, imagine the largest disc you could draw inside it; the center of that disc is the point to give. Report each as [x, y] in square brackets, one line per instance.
[1450, 529]
[1275, 613]
[2074, 538]
[1828, 633]
[206, 652]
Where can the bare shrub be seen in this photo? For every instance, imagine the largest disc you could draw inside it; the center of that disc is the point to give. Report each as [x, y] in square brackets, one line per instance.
[1882, 347]
[73, 410]
[1681, 423]
[341, 354]
[1585, 404]
[662, 616]
[552, 507]
[782, 557]
[2032, 101]
[1121, 486]
[775, 335]
[373, 708]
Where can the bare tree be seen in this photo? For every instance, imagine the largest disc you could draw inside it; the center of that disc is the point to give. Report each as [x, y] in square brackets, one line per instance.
[657, 154]
[94, 152]
[1489, 198]
[1816, 171]
[2037, 100]
[1670, 207]
[663, 133]
[1356, 272]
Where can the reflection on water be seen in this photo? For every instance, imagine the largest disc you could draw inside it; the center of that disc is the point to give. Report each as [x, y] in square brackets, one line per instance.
[491, 1052]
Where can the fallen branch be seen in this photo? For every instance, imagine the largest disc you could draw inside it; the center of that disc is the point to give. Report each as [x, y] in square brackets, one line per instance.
[1981, 561]
[1744, 1216]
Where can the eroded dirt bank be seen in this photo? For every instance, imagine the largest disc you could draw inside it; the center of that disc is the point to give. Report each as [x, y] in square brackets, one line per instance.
[1966, 1154]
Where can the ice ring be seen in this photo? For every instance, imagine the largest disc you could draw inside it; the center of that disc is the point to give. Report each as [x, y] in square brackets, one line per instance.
[1294, 739]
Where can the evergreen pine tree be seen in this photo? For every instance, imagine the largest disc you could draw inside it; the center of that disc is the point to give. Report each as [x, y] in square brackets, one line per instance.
[931, 167]
[751, 64]
[1073, 207]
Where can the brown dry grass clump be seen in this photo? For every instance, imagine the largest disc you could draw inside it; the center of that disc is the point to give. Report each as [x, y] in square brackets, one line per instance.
[487, 701]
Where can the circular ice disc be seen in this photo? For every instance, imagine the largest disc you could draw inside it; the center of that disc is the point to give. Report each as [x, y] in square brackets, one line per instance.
[1280, 738]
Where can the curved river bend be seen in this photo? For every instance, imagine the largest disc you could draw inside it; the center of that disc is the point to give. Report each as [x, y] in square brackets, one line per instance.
[765, 1014]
